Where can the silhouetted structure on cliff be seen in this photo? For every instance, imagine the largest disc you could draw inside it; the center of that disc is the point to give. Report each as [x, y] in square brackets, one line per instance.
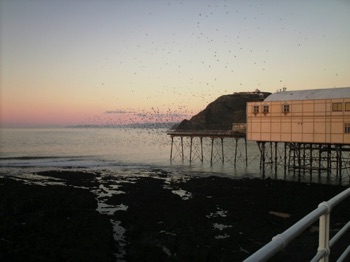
[221, 113]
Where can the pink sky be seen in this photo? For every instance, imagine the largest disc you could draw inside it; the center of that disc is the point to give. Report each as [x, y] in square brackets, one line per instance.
[69, 62]
[45, 115]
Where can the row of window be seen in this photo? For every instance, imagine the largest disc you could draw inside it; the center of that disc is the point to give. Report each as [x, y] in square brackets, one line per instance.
[347, 128]
[266, 109]
[339, 106]
[336, 107]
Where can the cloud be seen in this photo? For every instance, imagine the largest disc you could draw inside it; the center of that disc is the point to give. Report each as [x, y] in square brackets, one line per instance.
[162, 115]
[117, 112]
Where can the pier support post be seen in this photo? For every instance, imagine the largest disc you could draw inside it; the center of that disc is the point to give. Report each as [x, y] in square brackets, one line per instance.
[276, 157]
[222, 150]
[211, 153]
[246, 152]
[201, 141]
[289, 155]
[299, 160]
[304, 158]
[294, 156]
[319, 160]
[271, 154]
[182, 149]
[263, 158]
[236, 140]
[171, 149]
[311, 160]
[339, 162]
[191, 141]
[329, 158]
[285, 160]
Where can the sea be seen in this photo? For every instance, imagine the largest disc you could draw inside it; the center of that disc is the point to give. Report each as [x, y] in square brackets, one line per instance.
[119, 156]
[135, 150]
[115, 149]
[122, 155]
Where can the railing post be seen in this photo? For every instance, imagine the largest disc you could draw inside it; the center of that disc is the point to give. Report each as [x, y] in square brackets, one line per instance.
[323, 214]
[323, 240]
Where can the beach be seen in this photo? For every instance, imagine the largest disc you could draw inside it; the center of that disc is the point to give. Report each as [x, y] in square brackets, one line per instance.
[82, 215]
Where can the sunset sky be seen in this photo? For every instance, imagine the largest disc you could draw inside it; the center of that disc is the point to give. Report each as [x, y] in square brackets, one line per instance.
[113, 61]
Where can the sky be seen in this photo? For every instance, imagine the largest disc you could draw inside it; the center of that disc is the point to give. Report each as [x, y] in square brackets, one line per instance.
[113, 62]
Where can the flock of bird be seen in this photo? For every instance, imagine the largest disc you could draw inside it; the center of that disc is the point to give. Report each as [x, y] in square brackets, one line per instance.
[183, 71]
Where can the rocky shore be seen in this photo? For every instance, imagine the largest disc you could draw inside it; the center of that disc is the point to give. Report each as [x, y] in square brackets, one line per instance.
[165, 218]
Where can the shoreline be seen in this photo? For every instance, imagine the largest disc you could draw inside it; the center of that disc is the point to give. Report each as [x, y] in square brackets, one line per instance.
[164, 217]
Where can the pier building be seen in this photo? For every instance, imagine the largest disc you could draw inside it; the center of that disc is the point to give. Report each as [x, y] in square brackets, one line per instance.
[312, 126]
[300, 132]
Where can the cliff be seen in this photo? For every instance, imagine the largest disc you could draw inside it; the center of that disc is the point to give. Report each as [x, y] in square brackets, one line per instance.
[221, 113]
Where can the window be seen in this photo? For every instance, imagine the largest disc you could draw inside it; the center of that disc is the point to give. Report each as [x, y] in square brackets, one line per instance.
[347, 128]
[337, 106]
[255, 109]
[265, 109]
[285, 108]
[347, 106]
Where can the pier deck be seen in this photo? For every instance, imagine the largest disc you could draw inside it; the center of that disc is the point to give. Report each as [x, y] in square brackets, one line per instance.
[208, 133]
[211, 134]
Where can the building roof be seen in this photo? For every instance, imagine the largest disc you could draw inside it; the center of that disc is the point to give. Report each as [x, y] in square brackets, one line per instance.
[312, 94]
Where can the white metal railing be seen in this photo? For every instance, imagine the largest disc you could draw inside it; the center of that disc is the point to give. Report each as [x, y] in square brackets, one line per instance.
[323, 214]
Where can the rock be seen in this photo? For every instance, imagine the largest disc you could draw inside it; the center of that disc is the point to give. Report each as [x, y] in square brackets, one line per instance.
[52, 223]
[221, 113]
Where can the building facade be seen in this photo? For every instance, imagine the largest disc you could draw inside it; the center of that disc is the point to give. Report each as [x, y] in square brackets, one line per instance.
[306, 116]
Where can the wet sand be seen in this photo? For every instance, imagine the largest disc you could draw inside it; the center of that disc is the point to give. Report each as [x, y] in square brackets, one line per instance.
[164, 218]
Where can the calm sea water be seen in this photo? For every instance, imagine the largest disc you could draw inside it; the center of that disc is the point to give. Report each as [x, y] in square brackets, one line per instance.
[133, 150]
[121, 155]
[113, 149]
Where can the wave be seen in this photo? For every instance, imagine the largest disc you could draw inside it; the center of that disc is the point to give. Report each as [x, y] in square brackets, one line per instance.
[37, 157]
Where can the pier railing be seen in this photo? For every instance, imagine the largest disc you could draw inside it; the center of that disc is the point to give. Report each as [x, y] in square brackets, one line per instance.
[207, 133]
[323, 214]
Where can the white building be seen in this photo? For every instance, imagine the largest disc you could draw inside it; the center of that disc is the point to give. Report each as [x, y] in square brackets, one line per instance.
[305, 116]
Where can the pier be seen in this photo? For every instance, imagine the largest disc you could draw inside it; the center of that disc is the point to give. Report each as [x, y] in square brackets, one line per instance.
[301, 160]
[306, 159]
[305, 131]
[190, 144]
[301, 133]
